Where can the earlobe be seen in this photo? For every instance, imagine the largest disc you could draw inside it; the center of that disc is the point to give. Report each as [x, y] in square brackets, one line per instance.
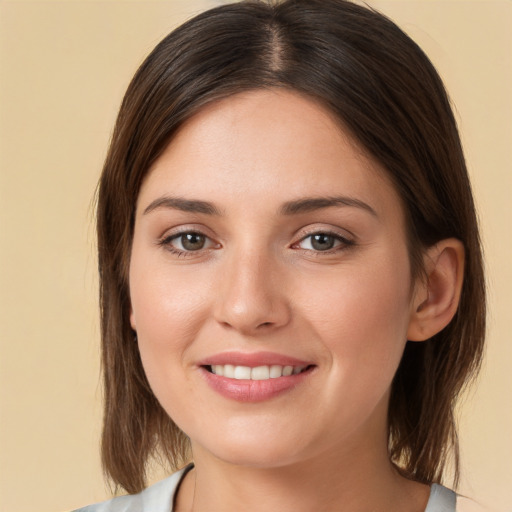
[437, 297]
[132, 320]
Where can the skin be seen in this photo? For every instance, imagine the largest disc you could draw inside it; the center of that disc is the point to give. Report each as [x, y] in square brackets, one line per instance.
[258, 284]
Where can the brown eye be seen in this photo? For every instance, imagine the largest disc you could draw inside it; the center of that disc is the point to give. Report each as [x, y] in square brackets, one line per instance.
[191, 241]
[187, 243]
[322, 242]
[319, 242]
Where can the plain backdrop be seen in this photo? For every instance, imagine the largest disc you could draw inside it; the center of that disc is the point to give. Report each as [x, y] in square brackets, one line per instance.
[64, 66]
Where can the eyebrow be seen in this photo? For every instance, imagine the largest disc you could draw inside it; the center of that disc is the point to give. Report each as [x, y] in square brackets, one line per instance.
[309, 204]
[185, 205]
[303, 205]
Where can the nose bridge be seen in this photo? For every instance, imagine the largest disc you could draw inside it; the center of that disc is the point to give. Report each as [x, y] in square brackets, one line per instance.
[251, 295]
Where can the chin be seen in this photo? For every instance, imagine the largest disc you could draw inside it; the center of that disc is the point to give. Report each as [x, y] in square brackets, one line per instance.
[255, 451]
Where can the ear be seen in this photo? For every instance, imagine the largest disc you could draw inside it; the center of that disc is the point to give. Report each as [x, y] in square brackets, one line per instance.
[132, 320]
[437, 294]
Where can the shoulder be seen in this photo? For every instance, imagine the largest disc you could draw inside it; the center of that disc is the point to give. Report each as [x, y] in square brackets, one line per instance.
[465, 504]
[443, 499]
[156, 498]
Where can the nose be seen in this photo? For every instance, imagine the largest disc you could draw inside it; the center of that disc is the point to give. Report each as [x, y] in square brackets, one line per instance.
[252, 295]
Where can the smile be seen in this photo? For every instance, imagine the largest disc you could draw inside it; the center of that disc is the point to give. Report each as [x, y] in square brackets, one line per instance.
[264, 372]
[254, 377]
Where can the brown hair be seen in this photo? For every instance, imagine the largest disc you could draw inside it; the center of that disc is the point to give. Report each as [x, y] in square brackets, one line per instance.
[383, 89]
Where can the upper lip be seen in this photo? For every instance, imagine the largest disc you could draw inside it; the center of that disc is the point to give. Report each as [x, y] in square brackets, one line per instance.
[252, 359]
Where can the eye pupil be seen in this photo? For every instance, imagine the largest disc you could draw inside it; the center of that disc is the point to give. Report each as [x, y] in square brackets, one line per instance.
[322, 242]
[192, 241]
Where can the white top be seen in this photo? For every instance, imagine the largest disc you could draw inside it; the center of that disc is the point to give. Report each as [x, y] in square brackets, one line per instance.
[160, 497]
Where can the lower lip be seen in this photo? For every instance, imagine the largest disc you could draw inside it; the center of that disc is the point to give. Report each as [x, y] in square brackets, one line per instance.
[253, 390]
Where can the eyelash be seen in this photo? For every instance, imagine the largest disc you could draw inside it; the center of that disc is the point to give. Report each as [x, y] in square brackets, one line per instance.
[166, 242]
[343, 243]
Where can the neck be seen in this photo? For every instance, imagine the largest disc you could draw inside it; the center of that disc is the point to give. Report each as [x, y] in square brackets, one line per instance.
[357, 478]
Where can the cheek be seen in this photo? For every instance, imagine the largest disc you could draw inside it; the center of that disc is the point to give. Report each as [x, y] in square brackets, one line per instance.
[168, 311]
[362, 318]
[167, 306]
[167, 324]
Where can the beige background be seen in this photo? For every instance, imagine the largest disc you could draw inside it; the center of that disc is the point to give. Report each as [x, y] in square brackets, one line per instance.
[64, 66]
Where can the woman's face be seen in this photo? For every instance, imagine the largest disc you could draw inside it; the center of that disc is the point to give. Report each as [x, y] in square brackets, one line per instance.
[267, 243]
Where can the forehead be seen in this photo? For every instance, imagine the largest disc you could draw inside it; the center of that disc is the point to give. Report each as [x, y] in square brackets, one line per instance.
[264, 147]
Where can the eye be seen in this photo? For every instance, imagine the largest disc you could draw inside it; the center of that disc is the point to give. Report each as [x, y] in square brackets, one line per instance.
[322, 242]
[187, 242]
[190, 241]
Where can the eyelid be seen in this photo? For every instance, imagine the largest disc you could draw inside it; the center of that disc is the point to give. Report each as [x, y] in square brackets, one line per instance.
[170, 235]
[181, 229]
[344, 240]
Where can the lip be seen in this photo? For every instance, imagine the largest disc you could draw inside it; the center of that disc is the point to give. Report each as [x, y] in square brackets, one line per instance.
[253, 359]
[253, 390]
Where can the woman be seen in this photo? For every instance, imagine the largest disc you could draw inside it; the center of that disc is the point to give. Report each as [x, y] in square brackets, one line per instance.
[292, 289]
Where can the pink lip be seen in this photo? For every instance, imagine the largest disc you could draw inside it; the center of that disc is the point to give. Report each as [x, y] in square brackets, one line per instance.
[252, 359]
[253, 390]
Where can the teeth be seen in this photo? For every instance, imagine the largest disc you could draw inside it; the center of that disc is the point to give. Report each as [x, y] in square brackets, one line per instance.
[298, 369]
[229, 370]
[257, 373]
[260, 373]
[242, 372]
[287, 370]
[276, 371]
